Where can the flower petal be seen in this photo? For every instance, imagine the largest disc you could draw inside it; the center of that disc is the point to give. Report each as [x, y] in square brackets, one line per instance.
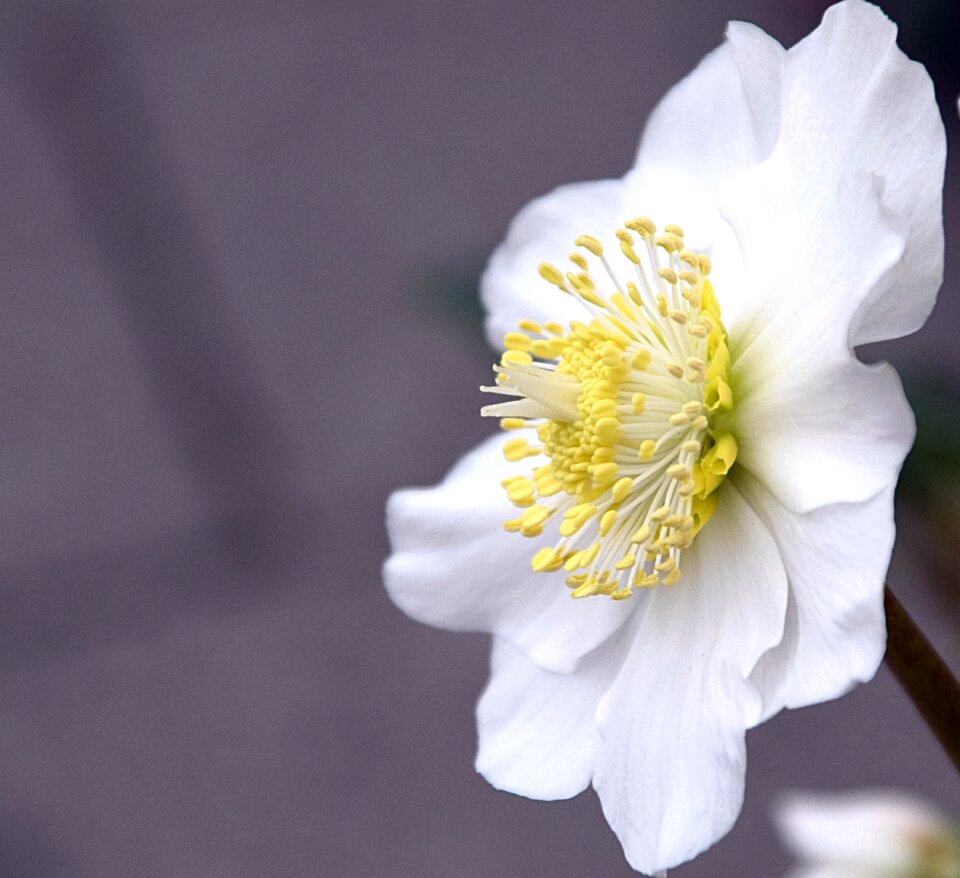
[873, 829]
[708, 125]
[836, 559]
[814, 424]
[537, 729]
[875, 110]
[671, 767]
[852, 104]
[544, 231]
[455, 567]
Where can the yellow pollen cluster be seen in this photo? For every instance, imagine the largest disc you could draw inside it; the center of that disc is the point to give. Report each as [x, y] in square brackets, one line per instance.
[628, 410]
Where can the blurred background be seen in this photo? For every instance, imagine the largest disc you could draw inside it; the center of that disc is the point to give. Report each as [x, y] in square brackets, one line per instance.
[241, 242]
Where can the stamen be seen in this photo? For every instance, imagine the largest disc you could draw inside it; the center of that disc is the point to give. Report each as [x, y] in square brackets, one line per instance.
[626, 408]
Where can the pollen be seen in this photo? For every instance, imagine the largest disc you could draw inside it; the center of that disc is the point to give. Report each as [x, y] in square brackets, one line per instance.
[625, 414]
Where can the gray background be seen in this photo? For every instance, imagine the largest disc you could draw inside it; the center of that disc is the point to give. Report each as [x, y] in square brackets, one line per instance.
[240, 243]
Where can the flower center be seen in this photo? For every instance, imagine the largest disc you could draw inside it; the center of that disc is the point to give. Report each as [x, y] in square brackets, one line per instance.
[629, 411]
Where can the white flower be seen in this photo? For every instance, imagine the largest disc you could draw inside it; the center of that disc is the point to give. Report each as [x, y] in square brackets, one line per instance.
[870, 834]
[811, 178]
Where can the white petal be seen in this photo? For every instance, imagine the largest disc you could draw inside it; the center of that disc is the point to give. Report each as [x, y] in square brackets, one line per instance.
[875, 829]
[455, 567]
[671, 766]
[708, 126]
[852, 104]
[544, 231]
[837, 433]
[717, 121]
[875, 110]
[836, 559]
[815, 425]
[537, 729]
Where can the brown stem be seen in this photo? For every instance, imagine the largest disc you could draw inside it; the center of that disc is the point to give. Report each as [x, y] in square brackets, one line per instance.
[924, 676]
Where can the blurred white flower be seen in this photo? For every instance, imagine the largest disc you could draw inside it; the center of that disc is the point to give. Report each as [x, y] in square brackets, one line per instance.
[868, 834]
[700, 374]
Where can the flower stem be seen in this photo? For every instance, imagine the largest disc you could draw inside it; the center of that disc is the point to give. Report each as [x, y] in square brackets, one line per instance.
[924, 676]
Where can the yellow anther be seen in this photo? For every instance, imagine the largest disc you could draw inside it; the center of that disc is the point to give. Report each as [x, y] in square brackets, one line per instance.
[679, 419]
[517, 341]
[589, 555]
[690, 257]
[626, 562]
[605, 473]
[572, 562]
[689, 277]
[678, 316]
[517, 449]
[629, 252]
[642, 226]
[546, 560]
[621, 594]
[612, 357]
[647, 580]
[692, 408]
[705, 264]
[588, 242]
[512, 423]
[588, 588]
[607, 521]
[697, 331]
[554, 328]
[673, 230]
[672, 578]
[660, 513]
[608, 430]
[661, 305]
[603, 406]
[641, 359]
[543, 348]
[584, 280]
[516, 358]
[670, 242]
[642, 534]
[696, 364]
[679, 472]
[580, 261]
[691, 446]
[603, 454]
[621, 489]
[552, 274]
[675, 369]
[530, 326]
[638, 402]
[534, 516]
[687, 489]
[512, 526]
[521, 492]
[669, 275]
[647, 449]
[700, 423]
[665, 566]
